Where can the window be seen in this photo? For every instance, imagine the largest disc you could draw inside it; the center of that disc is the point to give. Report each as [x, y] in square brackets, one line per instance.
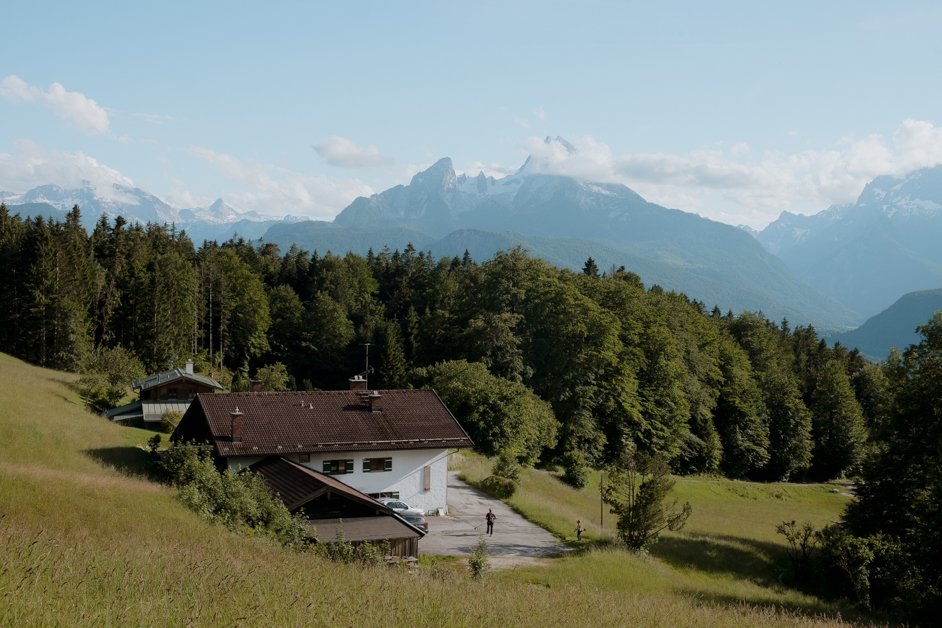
[375, 465]
[427, 479]
[390, 494]
[304, 457]
[338, 467]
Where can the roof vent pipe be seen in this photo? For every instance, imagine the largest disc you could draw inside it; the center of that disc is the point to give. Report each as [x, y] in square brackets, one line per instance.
[235, 425]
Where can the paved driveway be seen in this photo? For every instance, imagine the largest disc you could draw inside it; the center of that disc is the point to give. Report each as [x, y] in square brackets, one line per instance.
[515, 540]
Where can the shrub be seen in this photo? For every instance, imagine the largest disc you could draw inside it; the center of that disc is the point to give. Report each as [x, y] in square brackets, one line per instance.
[507, 467]
[478, 562]
[636, 490]
[240, 501]
[801, 543]
[501, 488]
[107, 374]
[575, 469]
[169, 421]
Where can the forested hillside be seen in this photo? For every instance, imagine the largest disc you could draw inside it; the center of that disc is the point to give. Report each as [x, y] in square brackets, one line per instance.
[613, 363]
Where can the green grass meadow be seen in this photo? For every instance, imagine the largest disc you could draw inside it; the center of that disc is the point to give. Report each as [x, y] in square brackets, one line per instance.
[86, 538]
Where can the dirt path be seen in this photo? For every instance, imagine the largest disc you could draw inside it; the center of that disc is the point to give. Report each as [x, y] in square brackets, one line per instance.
[515, 541]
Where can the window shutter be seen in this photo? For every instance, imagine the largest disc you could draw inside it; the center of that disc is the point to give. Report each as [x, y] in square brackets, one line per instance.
[387, 465]
[427, 478]
[366, 465]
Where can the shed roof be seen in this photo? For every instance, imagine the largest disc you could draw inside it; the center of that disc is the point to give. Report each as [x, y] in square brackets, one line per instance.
[282, 423]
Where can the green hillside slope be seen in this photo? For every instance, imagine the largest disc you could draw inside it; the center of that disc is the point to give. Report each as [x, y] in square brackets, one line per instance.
[85, 541]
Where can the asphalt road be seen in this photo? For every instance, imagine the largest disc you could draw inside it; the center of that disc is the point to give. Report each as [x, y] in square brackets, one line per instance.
[456, 534]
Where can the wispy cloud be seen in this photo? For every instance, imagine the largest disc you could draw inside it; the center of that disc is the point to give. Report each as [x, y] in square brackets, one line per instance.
[273, 190]
[34, 166]
[75, 107]
[735, 185]
[341, 152]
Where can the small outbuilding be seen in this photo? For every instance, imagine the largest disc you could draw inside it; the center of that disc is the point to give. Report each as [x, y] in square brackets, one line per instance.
[336, 510]
[170, 391]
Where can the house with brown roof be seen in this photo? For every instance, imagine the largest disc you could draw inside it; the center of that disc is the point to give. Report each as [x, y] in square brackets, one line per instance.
[169, 391]
[335, 509]
[384, 443]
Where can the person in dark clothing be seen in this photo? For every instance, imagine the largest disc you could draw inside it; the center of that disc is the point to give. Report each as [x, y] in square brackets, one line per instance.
[578, 530]
[490, 517]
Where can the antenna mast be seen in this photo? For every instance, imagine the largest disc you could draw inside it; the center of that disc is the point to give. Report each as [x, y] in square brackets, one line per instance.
[366, 373]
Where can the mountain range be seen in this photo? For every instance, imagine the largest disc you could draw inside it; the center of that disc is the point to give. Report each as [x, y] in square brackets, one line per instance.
[868, 253]
[565, 221]
[218, 221]
[832, 269]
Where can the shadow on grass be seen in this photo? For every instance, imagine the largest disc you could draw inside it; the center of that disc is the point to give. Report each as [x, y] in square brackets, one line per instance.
[130, 460]
[748, 559]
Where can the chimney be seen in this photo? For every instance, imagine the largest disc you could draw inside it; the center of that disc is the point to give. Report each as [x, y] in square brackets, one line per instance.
[235, 425]
[376, 401]
[357, 382]
[255, 385]
[189, 367]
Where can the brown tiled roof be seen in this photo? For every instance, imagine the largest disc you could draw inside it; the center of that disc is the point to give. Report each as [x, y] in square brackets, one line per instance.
[283, 423]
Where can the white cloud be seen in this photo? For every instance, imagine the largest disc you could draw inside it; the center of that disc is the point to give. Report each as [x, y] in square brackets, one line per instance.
[738, 186]
[34, 166]
[276, 191]
[339, 151]
[75, 107]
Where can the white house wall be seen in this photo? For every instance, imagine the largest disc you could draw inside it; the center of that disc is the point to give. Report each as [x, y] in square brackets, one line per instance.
[406, 477]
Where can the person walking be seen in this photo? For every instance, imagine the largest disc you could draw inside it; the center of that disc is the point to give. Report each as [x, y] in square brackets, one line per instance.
[489, 518]
[578, 530]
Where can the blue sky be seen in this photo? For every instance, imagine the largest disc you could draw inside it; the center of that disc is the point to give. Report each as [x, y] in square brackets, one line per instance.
[734, 110]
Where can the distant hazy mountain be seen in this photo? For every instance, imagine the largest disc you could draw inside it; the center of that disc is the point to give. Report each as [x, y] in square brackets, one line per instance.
[219, 221]
[566, 220]
[895, 326]
[867, 254]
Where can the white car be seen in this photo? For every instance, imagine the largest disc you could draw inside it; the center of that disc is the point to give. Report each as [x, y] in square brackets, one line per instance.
[398, 506]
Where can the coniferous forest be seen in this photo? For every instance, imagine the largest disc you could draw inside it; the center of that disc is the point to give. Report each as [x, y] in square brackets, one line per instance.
[541, 365]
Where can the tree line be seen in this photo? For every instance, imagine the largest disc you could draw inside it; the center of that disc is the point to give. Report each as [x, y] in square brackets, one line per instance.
[541, 364]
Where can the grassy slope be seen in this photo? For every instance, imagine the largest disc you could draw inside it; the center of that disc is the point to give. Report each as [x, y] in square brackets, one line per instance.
[84, 542]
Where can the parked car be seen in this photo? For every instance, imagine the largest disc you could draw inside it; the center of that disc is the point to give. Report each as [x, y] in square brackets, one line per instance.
[399, 506]
[418, 520]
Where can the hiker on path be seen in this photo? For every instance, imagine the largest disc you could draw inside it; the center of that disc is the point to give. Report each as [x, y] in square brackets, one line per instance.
[578, 530]
[489, 517]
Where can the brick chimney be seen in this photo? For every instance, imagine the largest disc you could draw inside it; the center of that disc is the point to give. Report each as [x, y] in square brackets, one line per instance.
[357, 382]
[376, 401]
[235, 425]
